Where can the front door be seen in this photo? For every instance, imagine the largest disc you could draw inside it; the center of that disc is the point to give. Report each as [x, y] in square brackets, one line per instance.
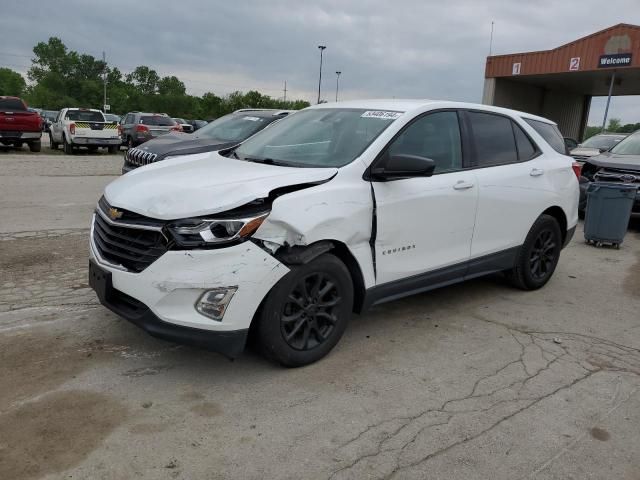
[426, 223]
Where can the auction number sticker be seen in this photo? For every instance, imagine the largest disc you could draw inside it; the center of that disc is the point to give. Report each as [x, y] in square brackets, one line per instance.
[252, 119]
[381, 114]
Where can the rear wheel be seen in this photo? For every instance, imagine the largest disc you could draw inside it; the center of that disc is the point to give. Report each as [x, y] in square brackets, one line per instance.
[130, 142]
[539, 255]
[113, 149]
[66, 146]
[306, 313]
[35, 146]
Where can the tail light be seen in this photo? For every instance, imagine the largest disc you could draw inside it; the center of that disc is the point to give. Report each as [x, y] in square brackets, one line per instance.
[176, 128]
[577, 169]
[142, 128]
[120, 130]
[72, 128]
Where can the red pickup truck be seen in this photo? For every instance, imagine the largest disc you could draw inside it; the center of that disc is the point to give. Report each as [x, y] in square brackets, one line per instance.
[18, 125]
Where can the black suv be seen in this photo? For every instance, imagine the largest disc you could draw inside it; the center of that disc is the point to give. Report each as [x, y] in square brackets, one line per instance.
[138, 127]
[222, 133]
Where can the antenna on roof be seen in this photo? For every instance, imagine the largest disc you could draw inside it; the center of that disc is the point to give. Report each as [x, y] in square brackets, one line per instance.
[491, 40]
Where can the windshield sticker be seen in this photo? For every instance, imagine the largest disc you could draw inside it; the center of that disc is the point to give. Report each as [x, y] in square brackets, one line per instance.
[252, 119]
[381, 114]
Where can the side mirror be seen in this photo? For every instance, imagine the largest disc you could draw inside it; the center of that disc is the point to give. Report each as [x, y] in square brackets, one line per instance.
[404, 166]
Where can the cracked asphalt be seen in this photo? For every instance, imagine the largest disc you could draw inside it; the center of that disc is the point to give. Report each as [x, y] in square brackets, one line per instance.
[473, 381]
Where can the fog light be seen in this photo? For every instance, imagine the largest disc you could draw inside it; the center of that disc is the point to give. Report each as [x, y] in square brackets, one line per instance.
[213, 303]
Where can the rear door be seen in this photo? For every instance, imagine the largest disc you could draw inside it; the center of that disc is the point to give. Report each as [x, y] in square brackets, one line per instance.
[426, 223]
[512, 182]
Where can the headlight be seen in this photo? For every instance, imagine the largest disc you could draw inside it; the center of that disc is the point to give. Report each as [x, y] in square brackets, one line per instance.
[202, 232]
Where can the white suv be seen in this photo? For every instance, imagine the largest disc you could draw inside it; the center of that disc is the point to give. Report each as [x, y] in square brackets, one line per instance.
[332, 210]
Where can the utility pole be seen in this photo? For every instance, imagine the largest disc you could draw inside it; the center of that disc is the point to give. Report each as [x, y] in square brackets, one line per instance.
[321, 47]
[491, 40]
[104, 79]
[337, 81]
[285, 90]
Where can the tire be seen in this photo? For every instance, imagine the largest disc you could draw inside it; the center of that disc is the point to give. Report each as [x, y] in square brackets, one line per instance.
[311, 330]
[67, 147]
[130, 142]
[113, 149]
[544, 239]
[92, 148]
[35, 146]
[53, 145]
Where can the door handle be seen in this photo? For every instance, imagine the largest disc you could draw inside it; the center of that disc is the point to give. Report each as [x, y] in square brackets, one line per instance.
[462, 185]
[536, 172]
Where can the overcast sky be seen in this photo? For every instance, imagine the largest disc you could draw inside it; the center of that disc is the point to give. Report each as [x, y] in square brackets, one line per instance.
[412, 48]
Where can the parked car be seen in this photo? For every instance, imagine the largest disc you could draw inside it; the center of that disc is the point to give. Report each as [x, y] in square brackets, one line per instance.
[138, 127]
[111, 117]
[49, 116]
[621, 164]
[83, 127]
[225, 132]
[198, 124]
[596, 145]
[186, 126]
[570, 143]
[336, 208]
[18, 125]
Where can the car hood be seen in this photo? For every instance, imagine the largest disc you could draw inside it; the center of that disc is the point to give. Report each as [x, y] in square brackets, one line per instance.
[612, 160]
[175, 144]
[584, 152]
[203, 184]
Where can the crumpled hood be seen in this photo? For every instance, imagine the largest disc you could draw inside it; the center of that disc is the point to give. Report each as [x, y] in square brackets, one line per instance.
[611, 160]
[202, 184]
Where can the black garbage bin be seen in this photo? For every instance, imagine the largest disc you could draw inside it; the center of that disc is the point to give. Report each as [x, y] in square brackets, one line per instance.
[608, 212]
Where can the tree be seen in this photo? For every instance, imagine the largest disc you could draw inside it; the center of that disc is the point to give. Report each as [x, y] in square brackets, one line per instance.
[614, 125]
[11, 83]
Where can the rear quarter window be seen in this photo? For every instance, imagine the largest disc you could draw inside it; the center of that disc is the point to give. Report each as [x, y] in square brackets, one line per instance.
[12, 105]
[550, 133]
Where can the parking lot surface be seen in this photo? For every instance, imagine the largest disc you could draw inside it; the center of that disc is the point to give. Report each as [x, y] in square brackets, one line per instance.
[473, 381]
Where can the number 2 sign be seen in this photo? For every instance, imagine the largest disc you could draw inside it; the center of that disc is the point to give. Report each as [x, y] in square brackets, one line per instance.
[574, 64]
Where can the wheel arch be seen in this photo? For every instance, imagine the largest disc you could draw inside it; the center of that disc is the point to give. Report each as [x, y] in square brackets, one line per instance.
[558, 213]
[299, 255]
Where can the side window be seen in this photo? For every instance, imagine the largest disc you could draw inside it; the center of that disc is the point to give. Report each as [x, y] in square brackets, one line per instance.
[550, 133]
[435, 136]
[526, 149]
[493, 138]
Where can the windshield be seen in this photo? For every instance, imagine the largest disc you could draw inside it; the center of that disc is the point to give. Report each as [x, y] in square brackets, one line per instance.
[629, 146]
[326, 137]
[157, 121]
[602, 142]
[84, 116]
[233, 127]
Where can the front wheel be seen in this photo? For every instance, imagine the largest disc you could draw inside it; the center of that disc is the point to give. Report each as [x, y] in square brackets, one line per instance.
[306, 313]
[539, 254]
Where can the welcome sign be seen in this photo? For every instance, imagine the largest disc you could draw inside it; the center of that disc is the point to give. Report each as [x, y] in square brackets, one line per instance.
[615, 60]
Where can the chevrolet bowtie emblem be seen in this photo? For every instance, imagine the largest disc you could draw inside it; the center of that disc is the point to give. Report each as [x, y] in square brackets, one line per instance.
[114, 213]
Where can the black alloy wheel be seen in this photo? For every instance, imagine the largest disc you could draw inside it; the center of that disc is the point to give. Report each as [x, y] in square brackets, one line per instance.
[543, 255]
[305, 314]
[308, 316]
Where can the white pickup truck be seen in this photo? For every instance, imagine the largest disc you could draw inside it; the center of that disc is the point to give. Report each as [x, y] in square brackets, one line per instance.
[83, 127]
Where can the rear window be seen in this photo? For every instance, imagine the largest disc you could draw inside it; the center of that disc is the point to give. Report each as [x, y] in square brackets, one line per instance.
[12, 105]
[494, 140]
[550, 133]
[84, 116]
[157, 121]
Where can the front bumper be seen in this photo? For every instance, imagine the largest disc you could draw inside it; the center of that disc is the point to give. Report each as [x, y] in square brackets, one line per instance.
[99, 142]
[162, 298]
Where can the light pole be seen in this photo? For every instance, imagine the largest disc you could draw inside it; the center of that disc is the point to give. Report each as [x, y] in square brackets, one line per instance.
[321, 47]
[337, 82]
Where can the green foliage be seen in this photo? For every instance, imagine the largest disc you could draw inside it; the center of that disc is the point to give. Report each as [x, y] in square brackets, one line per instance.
[65, 78]
[615, 126]
[11, 83]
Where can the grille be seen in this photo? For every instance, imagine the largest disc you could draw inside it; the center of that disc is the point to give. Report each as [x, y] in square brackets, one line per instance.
[132, 246]
[617, 176]
[139, 157]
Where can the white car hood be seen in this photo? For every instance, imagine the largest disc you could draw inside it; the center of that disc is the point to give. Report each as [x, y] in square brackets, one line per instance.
[202, 184]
